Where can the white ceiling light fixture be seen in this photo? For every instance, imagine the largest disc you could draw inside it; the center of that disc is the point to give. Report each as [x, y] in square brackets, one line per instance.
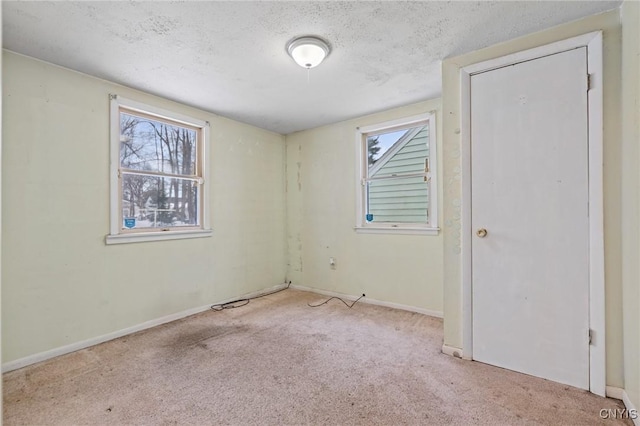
[308, 51]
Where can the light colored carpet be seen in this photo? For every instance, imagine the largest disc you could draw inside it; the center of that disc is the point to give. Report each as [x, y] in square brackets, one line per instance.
[278, 361]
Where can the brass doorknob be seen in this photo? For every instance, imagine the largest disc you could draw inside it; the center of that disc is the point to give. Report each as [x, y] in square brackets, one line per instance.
[481, 232]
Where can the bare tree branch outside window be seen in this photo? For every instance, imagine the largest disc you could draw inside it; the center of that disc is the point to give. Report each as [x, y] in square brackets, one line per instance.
[158, 164]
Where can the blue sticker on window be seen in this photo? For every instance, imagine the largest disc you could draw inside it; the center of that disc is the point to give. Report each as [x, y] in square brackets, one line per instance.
[130, 222]
[369, 217]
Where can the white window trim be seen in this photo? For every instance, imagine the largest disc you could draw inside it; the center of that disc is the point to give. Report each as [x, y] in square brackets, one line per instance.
[157, 236]
[361, 167]
[116, 236]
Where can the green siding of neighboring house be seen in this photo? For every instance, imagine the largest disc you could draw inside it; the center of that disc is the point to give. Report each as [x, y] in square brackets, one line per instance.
[403, 200]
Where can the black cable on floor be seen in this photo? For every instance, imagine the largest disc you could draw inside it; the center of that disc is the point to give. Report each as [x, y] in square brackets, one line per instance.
[238, 303]
[334, 297]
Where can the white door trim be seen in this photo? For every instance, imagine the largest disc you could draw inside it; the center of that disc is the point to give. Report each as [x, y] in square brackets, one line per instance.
[593, 42]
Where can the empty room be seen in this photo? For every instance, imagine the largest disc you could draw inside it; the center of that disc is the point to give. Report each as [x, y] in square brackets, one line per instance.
[320, 212]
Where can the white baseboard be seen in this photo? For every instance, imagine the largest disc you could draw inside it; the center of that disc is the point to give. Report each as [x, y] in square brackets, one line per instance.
[437, 314]
[614, 392]
[452, 351]
[621, 394]
[63, 350]
[631, 408]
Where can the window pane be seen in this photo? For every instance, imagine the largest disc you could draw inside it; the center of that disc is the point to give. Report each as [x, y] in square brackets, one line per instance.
[397, 153]
[158, 202]
[154, 146]
[399, 200]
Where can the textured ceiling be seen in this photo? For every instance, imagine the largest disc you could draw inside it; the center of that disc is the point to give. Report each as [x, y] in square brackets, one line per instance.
[229, 57]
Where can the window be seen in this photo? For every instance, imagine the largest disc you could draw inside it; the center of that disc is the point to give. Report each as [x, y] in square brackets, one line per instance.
[158, 174]
[397, 181]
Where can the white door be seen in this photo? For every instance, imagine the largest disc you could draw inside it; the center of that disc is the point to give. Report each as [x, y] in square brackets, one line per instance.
[529, 191]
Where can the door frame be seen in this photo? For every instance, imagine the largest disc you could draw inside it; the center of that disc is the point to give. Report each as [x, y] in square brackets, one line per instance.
[593, 42]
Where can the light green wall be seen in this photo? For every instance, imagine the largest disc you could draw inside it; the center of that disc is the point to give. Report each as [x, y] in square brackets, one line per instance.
[630, 14]
[609, 23]
[60, 283]
[321, 215]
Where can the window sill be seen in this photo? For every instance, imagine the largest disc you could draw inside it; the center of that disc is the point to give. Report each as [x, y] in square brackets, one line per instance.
[398, 230]
[156, 236]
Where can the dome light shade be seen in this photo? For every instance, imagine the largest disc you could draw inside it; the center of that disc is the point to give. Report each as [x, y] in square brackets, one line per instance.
[309, 51]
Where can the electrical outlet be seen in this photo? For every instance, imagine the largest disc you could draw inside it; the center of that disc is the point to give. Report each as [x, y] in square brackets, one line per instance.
[332, 262]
